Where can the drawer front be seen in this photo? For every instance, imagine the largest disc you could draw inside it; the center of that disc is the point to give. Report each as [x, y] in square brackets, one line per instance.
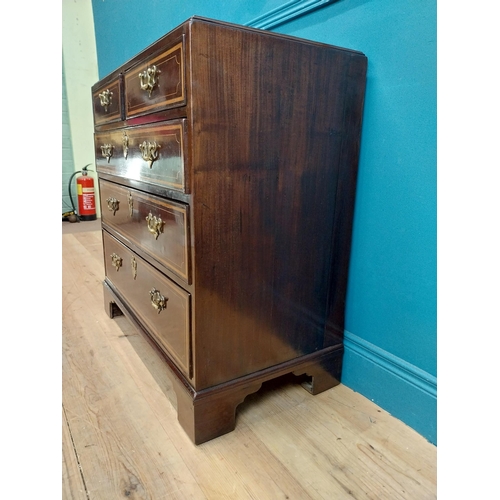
[151, 153]
[158, 226]
[162, 306]
[157, 83]
[107, 102]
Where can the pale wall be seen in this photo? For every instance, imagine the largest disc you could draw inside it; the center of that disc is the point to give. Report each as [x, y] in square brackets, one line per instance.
[80, 64]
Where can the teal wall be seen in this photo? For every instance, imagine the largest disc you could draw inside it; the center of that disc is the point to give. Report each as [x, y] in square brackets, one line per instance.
[391, 310]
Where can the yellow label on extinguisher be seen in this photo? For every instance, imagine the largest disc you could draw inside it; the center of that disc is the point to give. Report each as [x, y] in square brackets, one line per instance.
[79, 189]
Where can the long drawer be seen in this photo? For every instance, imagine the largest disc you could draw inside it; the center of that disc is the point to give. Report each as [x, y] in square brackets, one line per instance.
[158, 302]
[157, 225]
[151, 153]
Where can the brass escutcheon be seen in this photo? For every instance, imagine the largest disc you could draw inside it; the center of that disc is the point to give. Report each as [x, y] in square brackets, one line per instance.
[155, 225]
[116, 261]
[158, 301]
[133, 264]
[105, 98]
[130, 205]
[113, 205]
[107, 151]
[125, 144]
[149, 78]
[149, 151]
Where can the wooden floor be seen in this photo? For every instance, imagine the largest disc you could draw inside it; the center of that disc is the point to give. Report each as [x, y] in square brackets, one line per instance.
[121, 438]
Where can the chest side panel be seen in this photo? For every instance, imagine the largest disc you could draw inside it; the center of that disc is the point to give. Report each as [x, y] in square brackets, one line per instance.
[269, 139]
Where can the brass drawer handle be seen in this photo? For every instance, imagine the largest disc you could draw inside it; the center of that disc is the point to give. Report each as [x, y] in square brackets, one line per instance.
[107, 151]
[116, 260]
[113, 204]
[155, 225]
[149, 78]
[106, 98]
[158, 301]
[149, 151]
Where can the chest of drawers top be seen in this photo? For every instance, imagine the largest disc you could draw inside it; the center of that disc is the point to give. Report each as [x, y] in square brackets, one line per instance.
[182, 65]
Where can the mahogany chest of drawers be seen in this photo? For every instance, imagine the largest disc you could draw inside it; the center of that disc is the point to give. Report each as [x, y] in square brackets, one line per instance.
[227, 161]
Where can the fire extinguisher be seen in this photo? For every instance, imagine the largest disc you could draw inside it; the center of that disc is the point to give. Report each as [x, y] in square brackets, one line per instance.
[86, 196]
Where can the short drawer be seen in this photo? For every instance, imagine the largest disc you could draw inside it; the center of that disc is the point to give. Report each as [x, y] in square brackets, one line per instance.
[156, 83]
[156, 225]
[148, 153]
[107, 102]
[158, 302]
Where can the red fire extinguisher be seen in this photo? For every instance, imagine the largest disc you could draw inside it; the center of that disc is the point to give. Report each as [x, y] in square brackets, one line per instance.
[86, 196]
